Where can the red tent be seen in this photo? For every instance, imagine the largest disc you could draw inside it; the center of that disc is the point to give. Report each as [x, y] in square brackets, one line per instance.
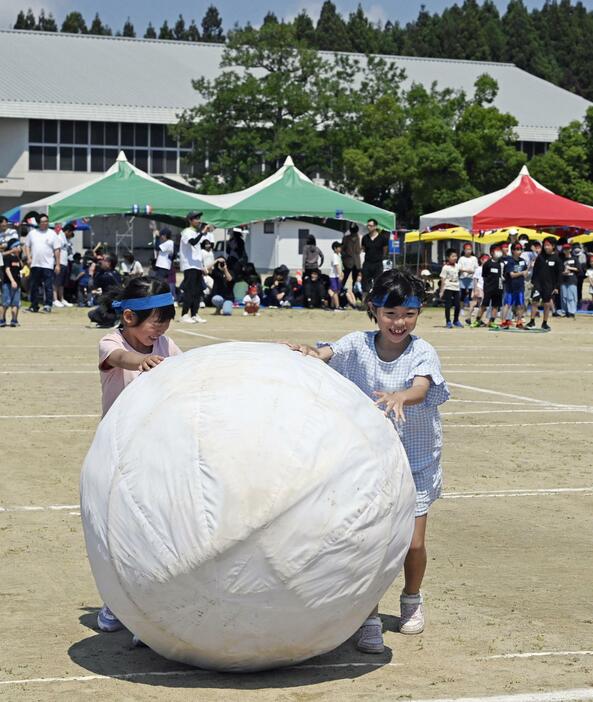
[523, 203]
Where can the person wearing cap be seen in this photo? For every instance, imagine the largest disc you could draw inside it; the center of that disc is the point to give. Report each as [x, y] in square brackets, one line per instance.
[191, 264]
[568, 282]
[7, 234]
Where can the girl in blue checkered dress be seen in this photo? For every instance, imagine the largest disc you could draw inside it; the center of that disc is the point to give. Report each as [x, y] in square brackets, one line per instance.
[402, 374]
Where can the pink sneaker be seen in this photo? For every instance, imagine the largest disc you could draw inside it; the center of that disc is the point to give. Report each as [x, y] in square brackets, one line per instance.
[412, 614]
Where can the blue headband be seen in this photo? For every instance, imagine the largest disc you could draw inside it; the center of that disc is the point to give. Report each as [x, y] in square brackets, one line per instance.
[411, 301]
[144, 303]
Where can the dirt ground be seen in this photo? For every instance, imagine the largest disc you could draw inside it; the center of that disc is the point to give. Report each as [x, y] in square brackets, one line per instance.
[509, 583]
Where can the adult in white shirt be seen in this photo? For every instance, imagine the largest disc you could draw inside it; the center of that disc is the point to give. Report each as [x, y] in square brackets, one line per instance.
[192, 267]
[61, 278]
[42, 252]
[467, 267]
[165, 252]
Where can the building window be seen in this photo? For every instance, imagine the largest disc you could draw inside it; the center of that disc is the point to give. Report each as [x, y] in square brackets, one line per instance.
[269, 227]
[67, 145]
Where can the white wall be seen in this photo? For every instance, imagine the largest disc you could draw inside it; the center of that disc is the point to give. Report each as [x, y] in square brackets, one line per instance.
[270, 250]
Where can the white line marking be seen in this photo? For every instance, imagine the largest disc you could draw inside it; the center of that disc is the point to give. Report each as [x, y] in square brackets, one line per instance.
[513, 411]
[585, 408]
[523, 424]
[469, 371]
[490, 402]
[575, 695]
[204, 336]
[46, 416]
[48, 346]
[187, 673]
[539, 654]
[517, 493]
[48, 372]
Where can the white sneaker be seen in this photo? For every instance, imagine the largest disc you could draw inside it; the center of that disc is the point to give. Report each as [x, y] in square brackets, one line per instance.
[58, 303]
[199, 320]
[202, 304]
[187, 319]
[369, 638]
[412, 614]
[65, 303]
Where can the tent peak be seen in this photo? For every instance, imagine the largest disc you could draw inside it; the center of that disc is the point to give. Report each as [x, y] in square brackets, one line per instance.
[524, 171]
[121, 156]
[289, 161]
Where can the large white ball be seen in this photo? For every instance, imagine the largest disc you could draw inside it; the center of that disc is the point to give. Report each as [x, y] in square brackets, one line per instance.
[245, 507]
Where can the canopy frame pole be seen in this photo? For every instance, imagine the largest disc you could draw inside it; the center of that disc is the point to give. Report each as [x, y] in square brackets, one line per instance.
[418, 252]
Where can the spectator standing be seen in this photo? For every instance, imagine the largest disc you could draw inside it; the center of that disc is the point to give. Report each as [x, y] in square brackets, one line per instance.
[190, 259]
[7, 234]
[493, 277]
[375, 245]
[467, 267]
[351, 250]
[581, 261]
[477, 291]
[589, 278]
[235, 251]
[449, 290]
[515, 273]
[42, 252]
[312, 256]
[546, 280]
[11, 286]
[61, 278]
[165, 252]
[568, 282]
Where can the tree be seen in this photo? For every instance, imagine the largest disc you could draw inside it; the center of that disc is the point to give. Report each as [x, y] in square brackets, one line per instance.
[150, 32]
[165, 32]
[25, 21]
[179, 30]
[567, 167]
[128, 30]
[74, 24]
[270, 18]
[193, 33]
[364, 37]
[422, 37]
[212, 26]
[331, 33]
[46, 24]
[304, 29]
[98, 28]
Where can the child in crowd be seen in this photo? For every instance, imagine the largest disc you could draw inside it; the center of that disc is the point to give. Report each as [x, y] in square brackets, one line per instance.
[516, 271]
[335, 276]
[468, 264]
[493, 277]
[251, 302]
[139, 344]
[449, 290]
[85, 283]
[11, 285]
[402, 373]
[477, 289]
[589, 278]
[545, 279]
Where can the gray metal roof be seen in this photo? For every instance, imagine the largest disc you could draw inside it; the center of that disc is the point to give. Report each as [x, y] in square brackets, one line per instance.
[67, 76]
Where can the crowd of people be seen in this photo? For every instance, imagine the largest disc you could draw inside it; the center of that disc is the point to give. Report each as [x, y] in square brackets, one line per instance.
[509, 286]
[512, 282]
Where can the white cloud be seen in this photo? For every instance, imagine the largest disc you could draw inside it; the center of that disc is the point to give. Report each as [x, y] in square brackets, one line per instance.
[376, 13]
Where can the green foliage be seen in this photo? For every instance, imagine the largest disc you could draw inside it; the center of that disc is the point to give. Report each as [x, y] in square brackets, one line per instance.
[150, 32]
[97, 27]
[346, 120]
[128, 30]
[212, 26]
[165, 32]
[74, 24]
[331, 33]
[46, 23]
[193, 33]
[179, 30]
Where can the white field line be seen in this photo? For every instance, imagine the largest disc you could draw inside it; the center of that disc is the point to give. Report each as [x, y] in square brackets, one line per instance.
[489, 402]
[47, 416]
[204, 336]
[46, 346]
[49, 372]
[538, 654]
[575, 695]
[556, 371]
[517, 493]
[526, 492]
[511, 411]
[498, 393]
[523, 424]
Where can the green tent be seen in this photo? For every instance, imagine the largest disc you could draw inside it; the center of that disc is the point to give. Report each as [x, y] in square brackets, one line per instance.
[289, 193]
[123, 189]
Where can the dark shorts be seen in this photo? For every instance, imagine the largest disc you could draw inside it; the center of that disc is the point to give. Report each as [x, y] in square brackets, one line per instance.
[492, 298]
[335, 285]
[515, 299]
[61, 278]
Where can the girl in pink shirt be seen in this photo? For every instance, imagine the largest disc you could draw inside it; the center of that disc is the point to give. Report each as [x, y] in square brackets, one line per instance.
[139, 344]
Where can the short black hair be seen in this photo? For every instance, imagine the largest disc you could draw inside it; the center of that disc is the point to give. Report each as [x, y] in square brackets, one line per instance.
[112, 258]
[311, 240]
[336, 245]
[373, 220]
[3, 219]
[143, 286]
[395, 286]
[493, 248]
[353, 228]
[450, 252]
[550, 241]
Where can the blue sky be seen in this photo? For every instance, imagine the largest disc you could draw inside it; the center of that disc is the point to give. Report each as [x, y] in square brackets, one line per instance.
[114, 12]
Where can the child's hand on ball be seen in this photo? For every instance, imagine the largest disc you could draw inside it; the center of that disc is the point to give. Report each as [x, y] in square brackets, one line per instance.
[150, 362]
[392, 402]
